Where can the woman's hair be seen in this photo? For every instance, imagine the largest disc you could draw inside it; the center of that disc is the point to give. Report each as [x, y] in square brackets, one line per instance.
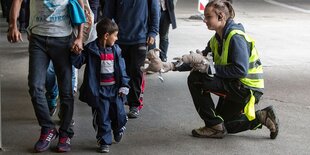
[104, 26]
[223, 6]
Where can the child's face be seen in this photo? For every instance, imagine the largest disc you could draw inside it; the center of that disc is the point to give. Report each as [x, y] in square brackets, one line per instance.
[111, 38]
[211, 18]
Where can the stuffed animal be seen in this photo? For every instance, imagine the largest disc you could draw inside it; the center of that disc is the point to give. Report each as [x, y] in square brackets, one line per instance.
[193, 58]
[153, 61]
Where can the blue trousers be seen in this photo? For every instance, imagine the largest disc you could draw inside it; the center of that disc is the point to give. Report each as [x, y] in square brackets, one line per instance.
[42, 49]
[110, 115]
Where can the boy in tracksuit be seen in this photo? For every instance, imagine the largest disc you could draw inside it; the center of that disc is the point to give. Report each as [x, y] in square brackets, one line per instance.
[138, 22]
[105, 84]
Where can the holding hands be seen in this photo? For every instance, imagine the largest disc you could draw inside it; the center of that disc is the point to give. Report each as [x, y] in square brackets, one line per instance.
[77, 46]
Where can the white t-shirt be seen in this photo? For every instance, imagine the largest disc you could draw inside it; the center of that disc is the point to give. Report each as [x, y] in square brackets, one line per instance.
[49, 18]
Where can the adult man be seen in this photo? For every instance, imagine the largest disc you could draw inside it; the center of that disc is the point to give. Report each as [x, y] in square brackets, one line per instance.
[49, 39]
[138, 22]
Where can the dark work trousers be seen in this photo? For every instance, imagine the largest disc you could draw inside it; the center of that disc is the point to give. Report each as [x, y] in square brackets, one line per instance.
[134, 56]
[233, 98]
[109, 115]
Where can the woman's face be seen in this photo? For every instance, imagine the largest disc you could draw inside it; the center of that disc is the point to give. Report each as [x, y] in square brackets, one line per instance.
[211, 18]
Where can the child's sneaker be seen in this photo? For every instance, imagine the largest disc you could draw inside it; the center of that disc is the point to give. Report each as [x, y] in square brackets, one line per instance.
[64, 144]
[119, 135]
[104, 148]
[46, 137]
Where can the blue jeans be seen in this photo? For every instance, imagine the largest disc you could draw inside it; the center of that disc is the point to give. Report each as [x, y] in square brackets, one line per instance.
[52, 87]
[42, 49]
[110, 115]
[164, 25]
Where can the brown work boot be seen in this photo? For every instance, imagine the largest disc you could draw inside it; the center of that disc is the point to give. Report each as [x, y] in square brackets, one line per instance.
[268, 118]
[217, 131]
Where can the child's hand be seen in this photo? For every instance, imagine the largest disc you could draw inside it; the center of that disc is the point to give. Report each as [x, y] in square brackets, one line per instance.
[123, 91]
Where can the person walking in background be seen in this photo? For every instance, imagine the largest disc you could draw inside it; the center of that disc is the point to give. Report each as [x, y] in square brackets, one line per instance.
[105, 84]
[50, 39]
[138, 22]
[167, 17]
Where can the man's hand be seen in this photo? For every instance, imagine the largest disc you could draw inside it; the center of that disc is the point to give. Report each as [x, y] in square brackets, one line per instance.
[77, 46]
[150, 41]
[14, 35]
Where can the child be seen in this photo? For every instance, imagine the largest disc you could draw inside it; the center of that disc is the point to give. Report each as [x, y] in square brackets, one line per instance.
[105, 83]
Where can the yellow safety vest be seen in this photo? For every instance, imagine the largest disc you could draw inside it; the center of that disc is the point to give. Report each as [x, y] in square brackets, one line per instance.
[253, 79]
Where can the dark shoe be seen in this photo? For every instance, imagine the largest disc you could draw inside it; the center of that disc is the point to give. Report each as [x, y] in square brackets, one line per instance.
[133, 112]
[46, 137]
[52, 110]
[104, 149]
[217, 131]
[64, 144]
[119, 135]
[268, 118]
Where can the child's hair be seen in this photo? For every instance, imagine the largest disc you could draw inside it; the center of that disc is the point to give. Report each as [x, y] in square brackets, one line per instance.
[222, 6]
[104, 26]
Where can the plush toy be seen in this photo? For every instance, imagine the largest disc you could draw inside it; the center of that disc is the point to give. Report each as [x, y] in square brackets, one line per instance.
[193, 58]
[153, 61]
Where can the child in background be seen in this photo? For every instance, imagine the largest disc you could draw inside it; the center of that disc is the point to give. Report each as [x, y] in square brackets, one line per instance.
[105, 84]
